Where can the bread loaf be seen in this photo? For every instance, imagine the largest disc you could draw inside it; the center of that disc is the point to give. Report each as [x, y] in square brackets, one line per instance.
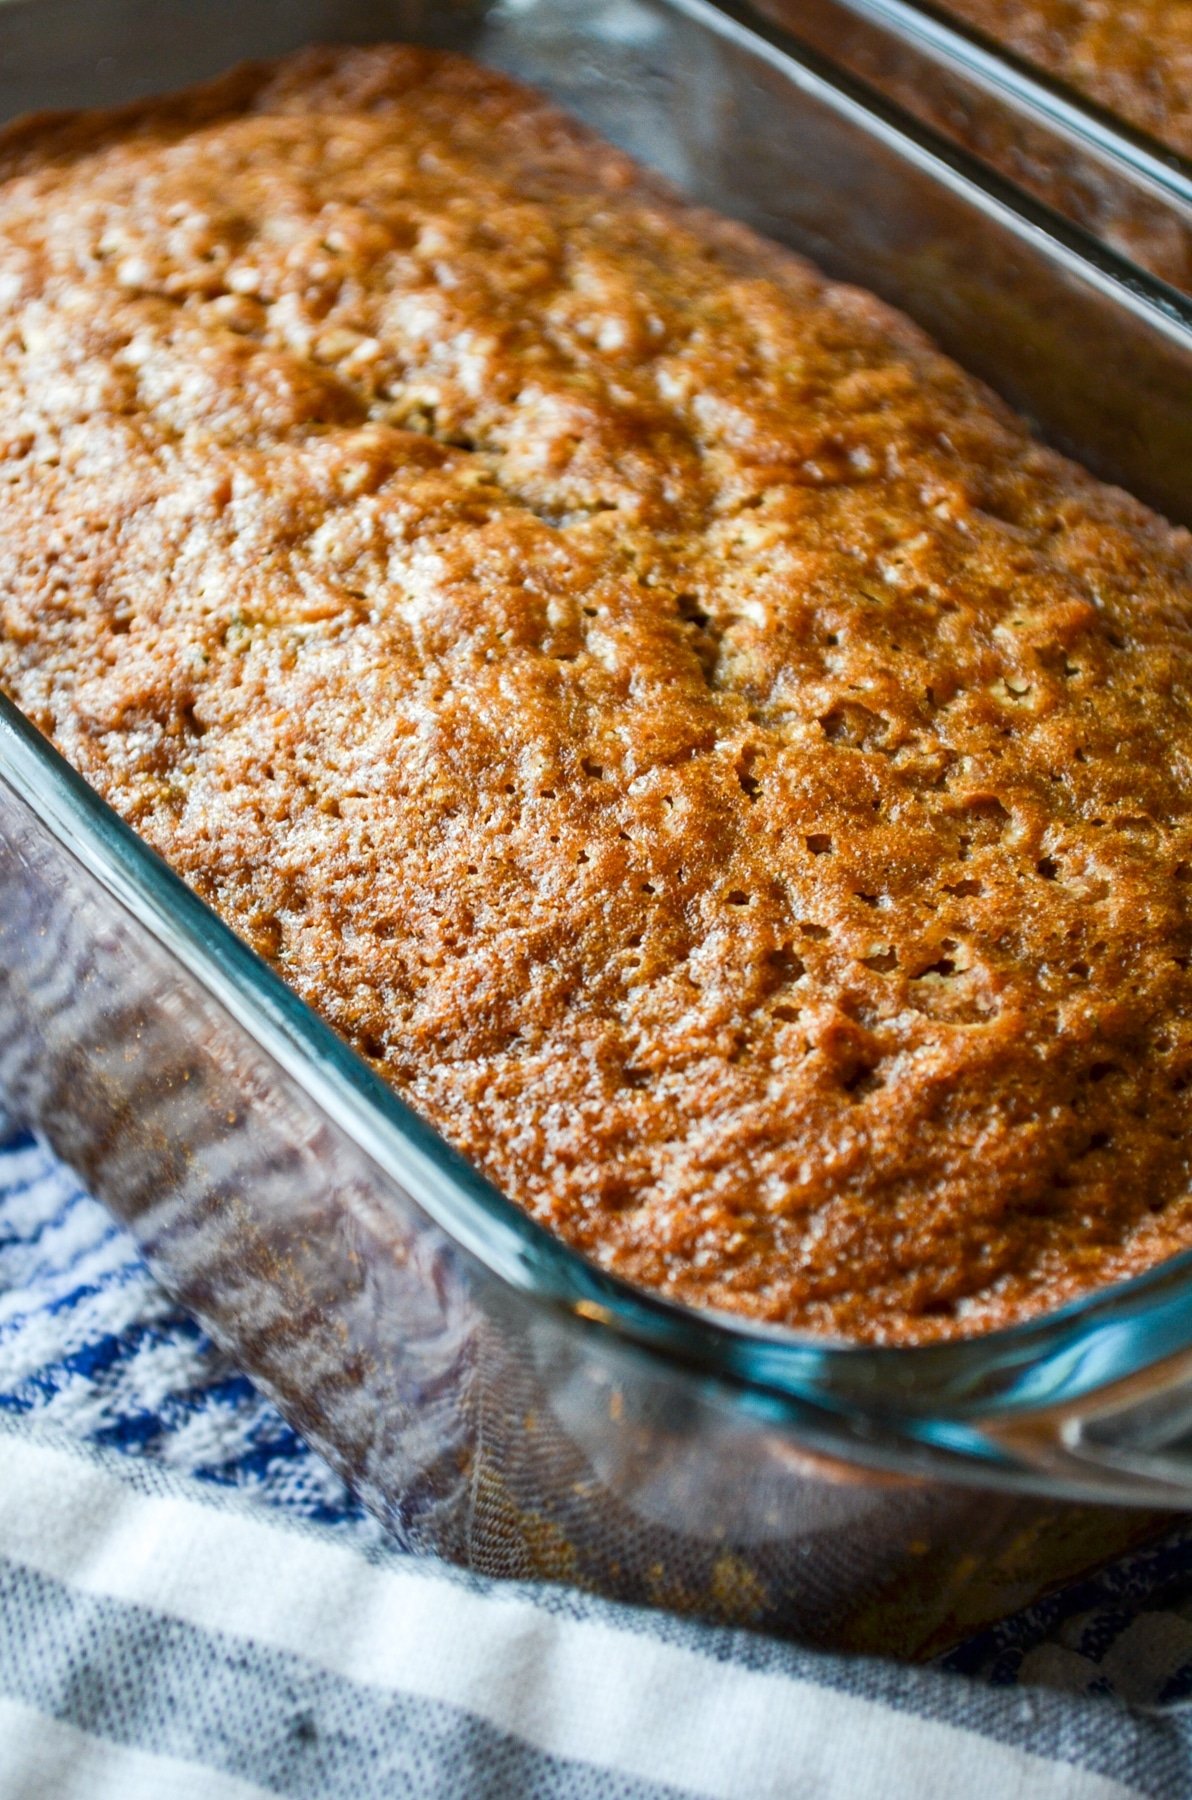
[680, 728]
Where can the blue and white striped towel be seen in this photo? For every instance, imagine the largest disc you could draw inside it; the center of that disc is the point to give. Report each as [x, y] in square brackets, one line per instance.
[251, 1632]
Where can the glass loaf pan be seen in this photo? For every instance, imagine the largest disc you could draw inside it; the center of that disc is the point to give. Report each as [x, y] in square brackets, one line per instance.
[1099, 170]
[495, 1398]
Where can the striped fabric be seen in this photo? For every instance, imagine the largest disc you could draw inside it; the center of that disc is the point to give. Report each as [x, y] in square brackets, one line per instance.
[251, 1632]
[90, 1343]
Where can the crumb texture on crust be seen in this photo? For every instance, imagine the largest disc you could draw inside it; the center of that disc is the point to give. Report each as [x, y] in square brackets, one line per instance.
[670, 719]
[1133, 57]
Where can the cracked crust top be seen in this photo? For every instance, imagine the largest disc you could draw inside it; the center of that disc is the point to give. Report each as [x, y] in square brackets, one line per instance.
[672, 721]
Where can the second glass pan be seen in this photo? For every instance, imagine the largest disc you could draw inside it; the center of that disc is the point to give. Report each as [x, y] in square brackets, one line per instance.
[1126, 188]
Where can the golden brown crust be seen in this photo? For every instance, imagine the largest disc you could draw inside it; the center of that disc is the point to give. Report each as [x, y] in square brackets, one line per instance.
[681, 728]
[1132, 56]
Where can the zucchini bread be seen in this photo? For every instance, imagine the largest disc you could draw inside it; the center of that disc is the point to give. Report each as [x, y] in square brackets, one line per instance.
[1132, 56]
[683, 731]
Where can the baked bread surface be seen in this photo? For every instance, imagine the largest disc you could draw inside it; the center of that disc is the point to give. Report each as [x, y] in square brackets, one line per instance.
[678, 726]
[1134, 57]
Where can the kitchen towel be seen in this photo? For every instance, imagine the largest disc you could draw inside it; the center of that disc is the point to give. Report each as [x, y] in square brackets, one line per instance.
[194, 1606]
